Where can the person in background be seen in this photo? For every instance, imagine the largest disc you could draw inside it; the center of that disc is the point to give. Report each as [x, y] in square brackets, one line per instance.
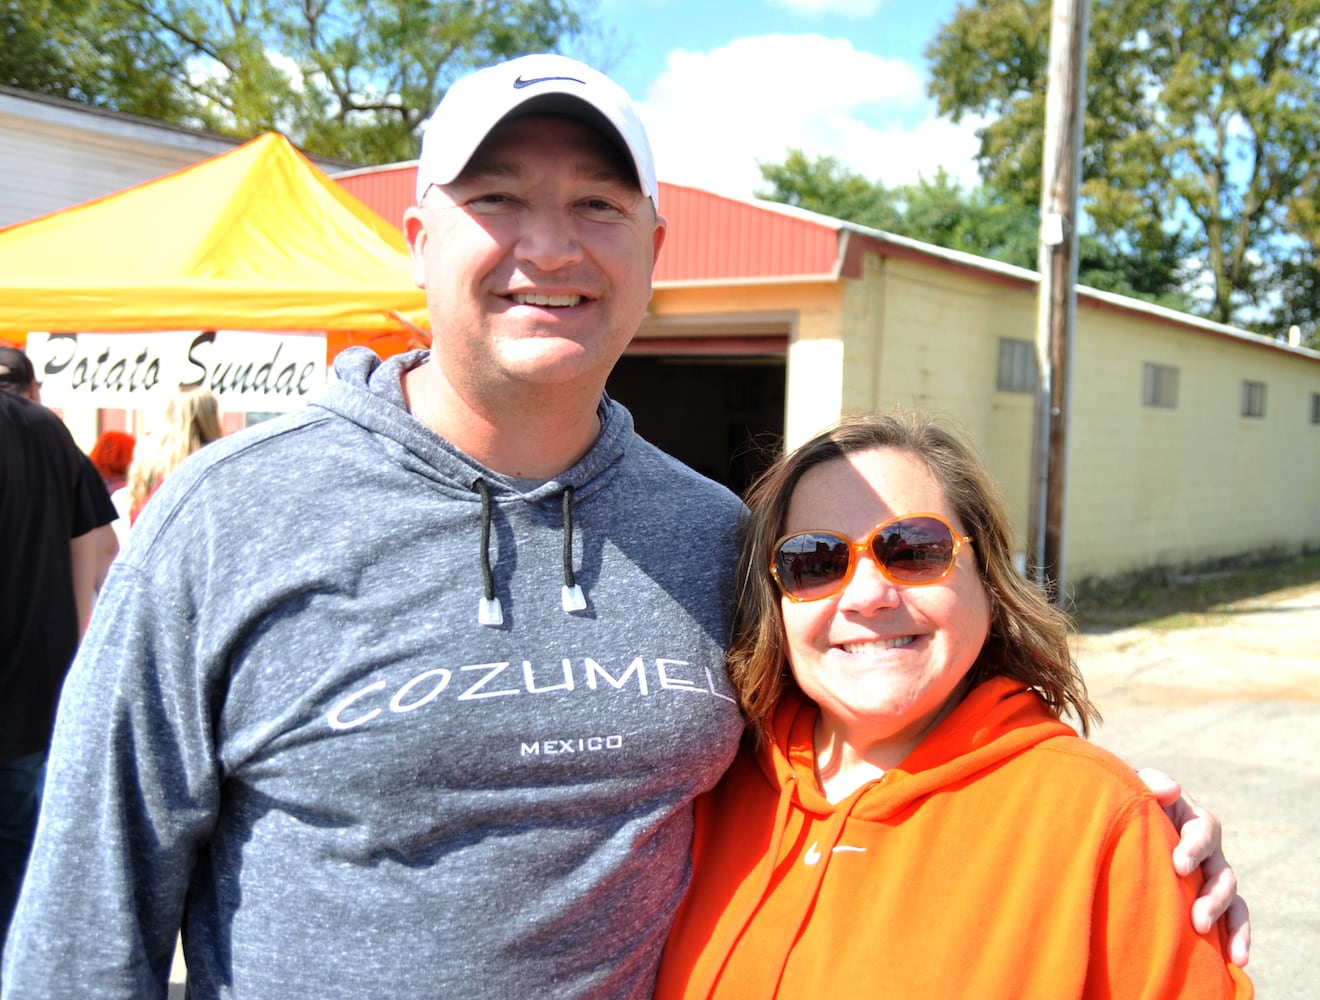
[189, 420]
[99, 548]
[112, 454]
[414, 689]
[53, 508]
[912, 817]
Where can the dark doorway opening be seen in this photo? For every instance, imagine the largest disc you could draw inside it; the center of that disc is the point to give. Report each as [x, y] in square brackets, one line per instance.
[723, 416]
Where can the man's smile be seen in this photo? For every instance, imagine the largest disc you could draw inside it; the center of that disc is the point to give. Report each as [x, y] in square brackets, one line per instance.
[538, 299]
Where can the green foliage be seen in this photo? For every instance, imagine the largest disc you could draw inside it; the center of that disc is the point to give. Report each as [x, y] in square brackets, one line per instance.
[937, 211]
[1295, 284]
[983, 221]
[976, 222]
[826, 186]
[30, 57]
[104, 53]
[349, 79]
[1199, 129]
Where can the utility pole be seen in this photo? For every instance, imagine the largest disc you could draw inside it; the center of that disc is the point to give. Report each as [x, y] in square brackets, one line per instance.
[1065, 103]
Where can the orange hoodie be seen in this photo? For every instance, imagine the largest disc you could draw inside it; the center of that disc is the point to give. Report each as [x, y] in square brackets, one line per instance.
[1005, 858]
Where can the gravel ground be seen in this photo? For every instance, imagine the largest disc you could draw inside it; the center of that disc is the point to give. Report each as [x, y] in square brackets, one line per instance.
[1231, 708]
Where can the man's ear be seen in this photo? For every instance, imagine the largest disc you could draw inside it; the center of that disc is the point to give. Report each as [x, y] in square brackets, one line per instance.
[658, 238]
[414, 231]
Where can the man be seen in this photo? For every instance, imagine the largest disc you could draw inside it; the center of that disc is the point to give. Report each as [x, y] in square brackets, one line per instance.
[408, 695]
[98, 550]
[54, 515]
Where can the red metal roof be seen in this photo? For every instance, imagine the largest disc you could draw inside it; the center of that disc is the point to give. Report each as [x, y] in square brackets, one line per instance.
[713, 238]
[386, 190]
[717, 239]
[710, 238]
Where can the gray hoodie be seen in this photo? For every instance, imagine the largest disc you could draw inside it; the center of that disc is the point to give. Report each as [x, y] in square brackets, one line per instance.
[289, 733]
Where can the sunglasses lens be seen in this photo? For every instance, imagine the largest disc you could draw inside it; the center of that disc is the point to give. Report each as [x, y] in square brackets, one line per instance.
[810, 566]
[915, 549]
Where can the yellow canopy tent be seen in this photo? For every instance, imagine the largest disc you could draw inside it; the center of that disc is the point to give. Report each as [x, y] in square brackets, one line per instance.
[254, 239]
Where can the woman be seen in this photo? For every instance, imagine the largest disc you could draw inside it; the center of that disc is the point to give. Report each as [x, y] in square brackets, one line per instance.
[191, 419]
[915, 820]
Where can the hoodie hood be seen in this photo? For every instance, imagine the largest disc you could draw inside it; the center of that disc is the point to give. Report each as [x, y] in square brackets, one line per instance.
[996, 720]
[363, 380]
[782, 886]
[1005, 857]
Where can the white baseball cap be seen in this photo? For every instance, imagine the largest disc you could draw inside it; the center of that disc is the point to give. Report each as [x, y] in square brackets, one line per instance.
[548, 83]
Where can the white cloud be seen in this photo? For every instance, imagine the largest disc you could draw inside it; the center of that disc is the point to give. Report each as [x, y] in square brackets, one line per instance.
[712, 115]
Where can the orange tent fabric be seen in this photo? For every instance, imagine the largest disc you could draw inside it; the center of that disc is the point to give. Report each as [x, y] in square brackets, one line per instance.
[254, 239]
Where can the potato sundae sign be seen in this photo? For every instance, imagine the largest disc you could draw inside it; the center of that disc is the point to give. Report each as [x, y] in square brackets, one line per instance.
[248, 371]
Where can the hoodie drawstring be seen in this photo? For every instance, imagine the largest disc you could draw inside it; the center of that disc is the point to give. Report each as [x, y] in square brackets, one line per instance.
[489, 611]
[571, 597]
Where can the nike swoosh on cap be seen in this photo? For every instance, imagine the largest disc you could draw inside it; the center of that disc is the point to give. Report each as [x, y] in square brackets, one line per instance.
[520, 83]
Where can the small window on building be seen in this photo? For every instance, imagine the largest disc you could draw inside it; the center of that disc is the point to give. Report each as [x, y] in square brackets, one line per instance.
[1253, 399]
[1017, 366]
[1161, 386]
[1315, 407]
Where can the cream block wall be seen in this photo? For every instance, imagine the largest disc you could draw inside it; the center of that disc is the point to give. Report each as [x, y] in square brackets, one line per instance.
[1152, 486]
[814, 398]
[818, 368]
[935, 336]
[816, 352]
[1147, 487]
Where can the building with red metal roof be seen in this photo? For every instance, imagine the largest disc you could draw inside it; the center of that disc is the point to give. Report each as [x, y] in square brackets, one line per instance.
[768, 322]
[1190, 441]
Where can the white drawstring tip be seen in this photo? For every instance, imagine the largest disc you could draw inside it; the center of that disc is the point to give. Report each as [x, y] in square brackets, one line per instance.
[572, 599]
[489, 612]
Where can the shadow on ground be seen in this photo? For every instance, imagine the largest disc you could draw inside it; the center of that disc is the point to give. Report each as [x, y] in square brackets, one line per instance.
[1191, 600]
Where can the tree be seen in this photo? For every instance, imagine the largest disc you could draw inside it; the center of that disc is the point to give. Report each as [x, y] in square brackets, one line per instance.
[104, 54]
[982, 221]
[1199, 134]
[1297, 283]
[349, 79]
[1295, 280]
[975, 221]
[826, 186]
[30, 55]
[937, 211]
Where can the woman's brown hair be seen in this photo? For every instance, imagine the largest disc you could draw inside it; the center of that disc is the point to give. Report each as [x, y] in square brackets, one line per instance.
[1028, 636]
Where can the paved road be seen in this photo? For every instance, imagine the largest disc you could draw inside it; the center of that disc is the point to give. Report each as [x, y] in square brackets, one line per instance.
[1232, 710]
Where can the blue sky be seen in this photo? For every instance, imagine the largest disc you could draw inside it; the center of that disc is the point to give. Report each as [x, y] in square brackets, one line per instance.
[724, 83]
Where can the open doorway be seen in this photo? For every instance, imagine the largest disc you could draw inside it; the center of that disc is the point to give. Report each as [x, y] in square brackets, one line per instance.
[721, 415]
